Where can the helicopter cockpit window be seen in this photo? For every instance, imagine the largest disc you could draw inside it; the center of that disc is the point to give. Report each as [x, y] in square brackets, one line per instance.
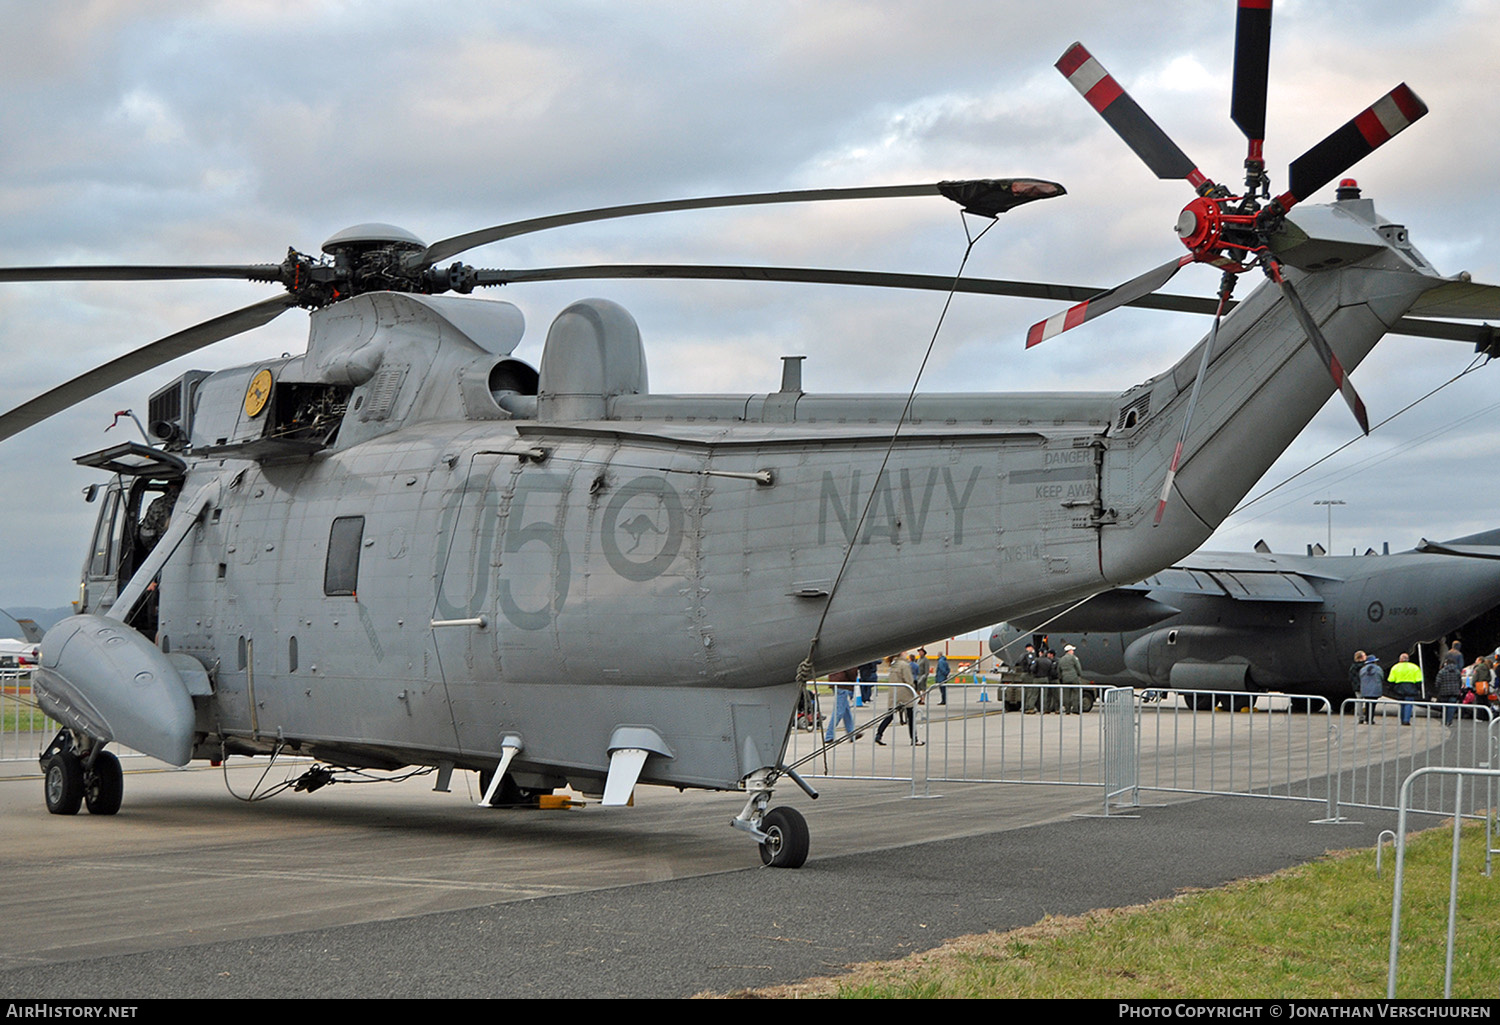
[341, 574]
[102, 559]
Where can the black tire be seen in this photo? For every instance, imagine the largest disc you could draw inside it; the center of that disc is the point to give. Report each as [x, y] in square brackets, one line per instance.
[509, 795]
[104, 785]
[1200, 702]
[62, 783]
[787, 838]
[1235, 702]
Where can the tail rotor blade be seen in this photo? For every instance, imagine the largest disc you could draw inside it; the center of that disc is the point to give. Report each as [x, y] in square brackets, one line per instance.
[1102, 303]
[1187, 416]
[1357, 139]
[1252, 62]
[1324, 350]
[1126, 117]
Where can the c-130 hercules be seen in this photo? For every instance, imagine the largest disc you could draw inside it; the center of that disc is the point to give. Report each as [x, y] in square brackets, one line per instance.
[407, 547]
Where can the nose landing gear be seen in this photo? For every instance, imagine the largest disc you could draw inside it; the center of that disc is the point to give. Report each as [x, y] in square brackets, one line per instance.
[72, 779]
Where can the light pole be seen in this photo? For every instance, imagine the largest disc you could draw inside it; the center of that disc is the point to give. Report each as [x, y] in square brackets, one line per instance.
[1330, 502]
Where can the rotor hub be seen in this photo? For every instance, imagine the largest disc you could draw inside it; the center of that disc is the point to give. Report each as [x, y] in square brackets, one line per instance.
[1200, 226]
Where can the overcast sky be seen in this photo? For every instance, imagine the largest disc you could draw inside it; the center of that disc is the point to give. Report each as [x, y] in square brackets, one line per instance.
[225, 132]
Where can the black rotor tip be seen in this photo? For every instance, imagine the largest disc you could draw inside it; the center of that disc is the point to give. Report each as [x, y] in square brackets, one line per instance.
[990, 197]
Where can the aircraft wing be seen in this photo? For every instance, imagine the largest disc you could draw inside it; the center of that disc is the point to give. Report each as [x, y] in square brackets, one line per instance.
[1465, 551]
[1239, 584]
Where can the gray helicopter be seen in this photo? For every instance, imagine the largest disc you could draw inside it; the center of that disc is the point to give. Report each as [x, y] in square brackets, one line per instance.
[1242, 622]
[407, 547]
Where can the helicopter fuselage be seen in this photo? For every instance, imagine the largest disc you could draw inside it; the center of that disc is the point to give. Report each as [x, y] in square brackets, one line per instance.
[419, 550]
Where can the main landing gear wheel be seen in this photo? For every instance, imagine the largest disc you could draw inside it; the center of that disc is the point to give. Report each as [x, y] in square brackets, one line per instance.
[104, 785]
[62, 777]
[787, 838]
[510, 795]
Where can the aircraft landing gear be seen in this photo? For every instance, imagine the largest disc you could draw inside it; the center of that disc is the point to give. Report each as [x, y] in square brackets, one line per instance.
[787, 838]
[782, 832]
[104, 784]
[71, 779]
[62, 776]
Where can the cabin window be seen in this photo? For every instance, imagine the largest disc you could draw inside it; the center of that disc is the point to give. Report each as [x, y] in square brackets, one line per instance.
[341, 574]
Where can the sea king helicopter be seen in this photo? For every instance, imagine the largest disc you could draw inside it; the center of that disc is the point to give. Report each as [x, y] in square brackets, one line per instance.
[407, 547]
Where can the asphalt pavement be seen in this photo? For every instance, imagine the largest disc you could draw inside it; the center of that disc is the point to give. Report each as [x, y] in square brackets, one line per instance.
[393, 891]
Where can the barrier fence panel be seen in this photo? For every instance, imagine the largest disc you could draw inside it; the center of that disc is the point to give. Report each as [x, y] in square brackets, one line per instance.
[1425, 776]
[1232, 742]
[860, 758]
[1017, 734]
[1122, 748]
[1376, 751]
[24, 730]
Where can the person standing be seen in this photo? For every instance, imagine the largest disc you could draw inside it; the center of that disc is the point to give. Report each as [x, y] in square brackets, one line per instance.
[920, 671]
[869, 675]
[1070, 673]
[1371, 686]
[1406, 683]
[1450, 683]
[941, 678]
[1030, 696]
[1046, 669]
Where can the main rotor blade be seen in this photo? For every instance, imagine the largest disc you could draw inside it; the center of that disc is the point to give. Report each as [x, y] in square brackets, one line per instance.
[1252, 65]
[829, 276]
[1094, 306]
[1051, 291]
[1126, 117]
[1345, 147]
[158, 272]
[1324, 350]
[147, 357]
[1002, 194]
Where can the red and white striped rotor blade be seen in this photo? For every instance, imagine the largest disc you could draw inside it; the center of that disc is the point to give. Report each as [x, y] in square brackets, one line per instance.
[1102, 303]
[1345, 147]
[1324, 350]
[1187, 416]
[1131, 123]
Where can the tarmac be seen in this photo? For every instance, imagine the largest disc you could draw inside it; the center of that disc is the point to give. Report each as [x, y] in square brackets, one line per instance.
[392, 890]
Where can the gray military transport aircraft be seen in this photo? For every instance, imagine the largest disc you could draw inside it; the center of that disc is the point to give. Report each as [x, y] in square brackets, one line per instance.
[1229, 621]
[406, 547]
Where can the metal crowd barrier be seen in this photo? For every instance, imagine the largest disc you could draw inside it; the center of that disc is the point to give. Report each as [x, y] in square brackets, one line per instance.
[1227, 742]
[24, 730]
[1376, 753]
[1291, 747]
[859, 758]
[1424, 775]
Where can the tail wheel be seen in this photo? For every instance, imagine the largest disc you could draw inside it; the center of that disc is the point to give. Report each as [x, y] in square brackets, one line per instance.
[787, 838]
[104, 785]
[63, 783]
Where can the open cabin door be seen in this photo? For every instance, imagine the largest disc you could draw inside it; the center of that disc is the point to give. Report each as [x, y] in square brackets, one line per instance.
[133, 515]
